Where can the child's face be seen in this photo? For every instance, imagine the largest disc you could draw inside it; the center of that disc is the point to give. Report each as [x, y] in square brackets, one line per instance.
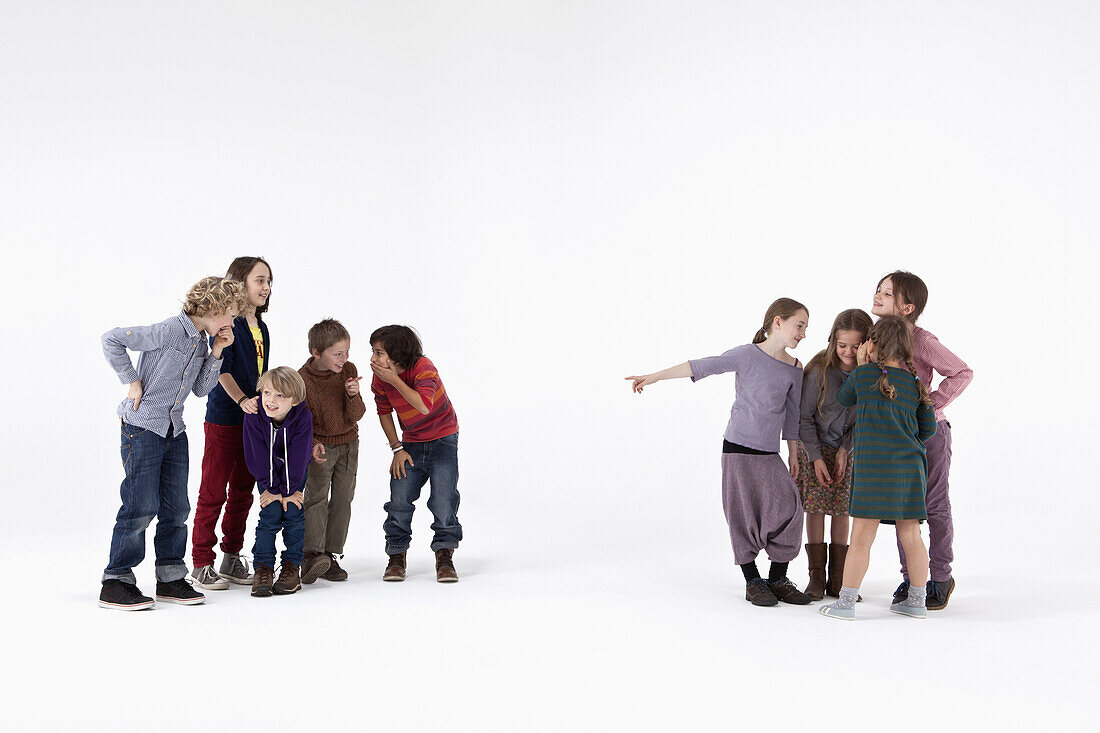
[258, 285]
[380, 358]
[885, 303]
[214, 322]
[792, 330]
[847, 344]
[276, 404]
[334, 357]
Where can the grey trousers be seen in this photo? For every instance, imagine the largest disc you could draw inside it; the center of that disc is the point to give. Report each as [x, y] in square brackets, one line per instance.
[330, 487]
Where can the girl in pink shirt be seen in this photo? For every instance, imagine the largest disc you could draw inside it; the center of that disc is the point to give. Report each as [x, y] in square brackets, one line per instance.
[904, 294]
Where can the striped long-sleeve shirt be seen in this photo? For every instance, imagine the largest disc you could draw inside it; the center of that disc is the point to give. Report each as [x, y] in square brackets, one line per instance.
[928, 355]
[441, 419]
[175, 359]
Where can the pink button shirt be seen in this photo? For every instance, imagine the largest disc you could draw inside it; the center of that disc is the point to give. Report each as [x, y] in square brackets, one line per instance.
[930, 355]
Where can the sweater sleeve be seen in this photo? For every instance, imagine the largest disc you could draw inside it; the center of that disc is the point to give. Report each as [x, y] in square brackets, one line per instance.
[426, 383]
[355, 407]
[807, 424]
[256, 451]
[847, 394]
[135, 338]
[381, 401]
[300, 452]
[926, 423]
[794, 399]
[729, 361]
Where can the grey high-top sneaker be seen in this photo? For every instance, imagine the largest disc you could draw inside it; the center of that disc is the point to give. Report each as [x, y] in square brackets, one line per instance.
[207, 579]
[235, 569]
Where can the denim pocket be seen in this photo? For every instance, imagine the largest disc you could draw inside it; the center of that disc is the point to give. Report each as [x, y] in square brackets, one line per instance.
[129, 432]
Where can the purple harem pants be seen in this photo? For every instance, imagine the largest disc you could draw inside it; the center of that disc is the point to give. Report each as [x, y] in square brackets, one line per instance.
[941, 530]
[762, 507]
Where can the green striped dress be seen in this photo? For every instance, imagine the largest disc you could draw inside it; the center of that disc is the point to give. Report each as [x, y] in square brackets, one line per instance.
[888, 459]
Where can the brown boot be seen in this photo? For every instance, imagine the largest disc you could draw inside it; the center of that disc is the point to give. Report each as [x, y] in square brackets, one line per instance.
[837, 553]
[289, 581]
[335, 573]
[262, 580]
[445, 567]
[395, 570]
[815, 553]
[315, 566]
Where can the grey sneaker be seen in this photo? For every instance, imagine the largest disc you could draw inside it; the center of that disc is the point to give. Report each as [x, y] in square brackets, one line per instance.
[207, 579]
[911, 611]
[235, 569]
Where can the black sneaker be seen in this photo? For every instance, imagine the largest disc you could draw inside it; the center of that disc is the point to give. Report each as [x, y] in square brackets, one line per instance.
[759, 594]
[938, 593]
[902, 592]
[784, 590]
[123, 596]
[179, 591]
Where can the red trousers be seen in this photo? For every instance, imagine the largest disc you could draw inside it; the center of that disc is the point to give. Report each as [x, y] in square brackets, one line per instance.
[222, 465]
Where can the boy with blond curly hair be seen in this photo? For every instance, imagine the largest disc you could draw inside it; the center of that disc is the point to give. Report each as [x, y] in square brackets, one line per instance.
[175, 359]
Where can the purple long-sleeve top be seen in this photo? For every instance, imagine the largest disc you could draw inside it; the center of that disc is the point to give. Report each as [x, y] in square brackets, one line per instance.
[769, 392]
[278, 455]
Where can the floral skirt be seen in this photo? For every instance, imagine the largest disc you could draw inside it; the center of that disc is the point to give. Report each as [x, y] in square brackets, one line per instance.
[816, 497]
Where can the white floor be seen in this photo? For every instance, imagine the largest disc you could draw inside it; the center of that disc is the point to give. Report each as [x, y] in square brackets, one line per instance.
[657, 638]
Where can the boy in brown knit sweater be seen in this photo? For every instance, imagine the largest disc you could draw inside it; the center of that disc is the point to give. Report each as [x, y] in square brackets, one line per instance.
[332, 395]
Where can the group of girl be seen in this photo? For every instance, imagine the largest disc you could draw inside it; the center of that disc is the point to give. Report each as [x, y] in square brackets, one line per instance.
[866, 438]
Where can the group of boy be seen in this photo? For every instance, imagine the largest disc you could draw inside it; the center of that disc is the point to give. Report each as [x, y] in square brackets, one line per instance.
[300, 447]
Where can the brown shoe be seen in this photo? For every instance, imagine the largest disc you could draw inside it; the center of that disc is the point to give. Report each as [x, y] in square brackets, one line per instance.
[837, 553]
[335, 573]
[315, 566]
[815, 553]
[288, 581]
[395, 570]
[262, 581]
[445, 567]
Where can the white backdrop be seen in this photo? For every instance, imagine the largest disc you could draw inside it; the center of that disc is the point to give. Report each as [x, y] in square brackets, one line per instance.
[556, 195]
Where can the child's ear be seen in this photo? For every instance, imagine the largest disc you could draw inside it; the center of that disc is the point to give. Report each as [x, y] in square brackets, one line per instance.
[316, 354]
[907, 309]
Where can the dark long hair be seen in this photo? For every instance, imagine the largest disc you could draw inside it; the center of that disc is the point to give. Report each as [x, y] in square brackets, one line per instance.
[893, 340]
[239, 269]
[910, 289]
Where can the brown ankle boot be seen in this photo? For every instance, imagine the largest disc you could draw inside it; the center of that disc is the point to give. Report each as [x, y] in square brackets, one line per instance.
[815, 553]
[395, 568]
[289, 580]
[315, 566]
[837, 553]
[445, 567]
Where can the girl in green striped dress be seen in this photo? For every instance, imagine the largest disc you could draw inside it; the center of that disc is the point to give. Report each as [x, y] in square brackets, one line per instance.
[894, 418]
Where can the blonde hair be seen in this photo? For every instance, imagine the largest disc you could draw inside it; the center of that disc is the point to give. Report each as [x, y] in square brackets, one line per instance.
[894, 342]
[214, 295]
[284, 380]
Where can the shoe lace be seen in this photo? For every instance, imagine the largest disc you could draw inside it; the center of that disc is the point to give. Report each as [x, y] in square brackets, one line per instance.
[241, 564]
[332, 557]
[445, 561]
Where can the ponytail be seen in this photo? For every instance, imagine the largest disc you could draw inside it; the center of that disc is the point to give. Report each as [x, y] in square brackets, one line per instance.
[884, 385]
[925, 398]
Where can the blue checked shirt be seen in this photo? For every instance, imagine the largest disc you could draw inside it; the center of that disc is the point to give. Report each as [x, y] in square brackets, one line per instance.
[175, 359]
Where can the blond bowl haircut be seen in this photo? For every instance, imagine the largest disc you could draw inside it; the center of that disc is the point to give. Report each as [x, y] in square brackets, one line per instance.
[284, 380]
[213, 296]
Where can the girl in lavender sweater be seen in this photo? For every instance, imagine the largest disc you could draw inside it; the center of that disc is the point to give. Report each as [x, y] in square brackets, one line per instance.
[759, 495]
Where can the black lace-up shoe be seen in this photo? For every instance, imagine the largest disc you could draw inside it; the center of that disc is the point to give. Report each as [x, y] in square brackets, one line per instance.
[123, 596]
[758, 593]
[179, 591]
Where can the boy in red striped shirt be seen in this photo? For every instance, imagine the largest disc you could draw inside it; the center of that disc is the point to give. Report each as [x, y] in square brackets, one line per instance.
[407, 382]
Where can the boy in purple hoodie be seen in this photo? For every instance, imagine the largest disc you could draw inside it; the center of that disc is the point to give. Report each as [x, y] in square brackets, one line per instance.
[278, 445]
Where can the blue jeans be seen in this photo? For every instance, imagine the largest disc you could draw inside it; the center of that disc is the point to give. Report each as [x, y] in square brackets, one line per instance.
[155, 486]
[293, 524]
[435, 461]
